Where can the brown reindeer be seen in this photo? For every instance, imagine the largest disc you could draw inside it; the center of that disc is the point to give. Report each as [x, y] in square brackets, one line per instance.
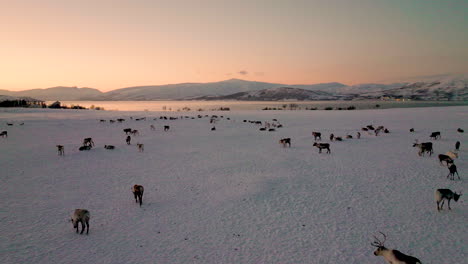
[81, 216]
[135, 132]
[141, 147]
[321, 146]
[88, 142]
[138, 193]
[60, 150]
[128, 139]
[285, 141]
[317, 135]
[392, 256]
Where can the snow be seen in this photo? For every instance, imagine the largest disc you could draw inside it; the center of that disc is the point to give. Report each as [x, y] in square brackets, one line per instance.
[233, 195]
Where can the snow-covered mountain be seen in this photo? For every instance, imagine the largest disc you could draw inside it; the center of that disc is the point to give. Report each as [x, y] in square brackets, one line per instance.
[440, 87]
[276, 94]
[451, 88]
[186, 90]
[56, 93]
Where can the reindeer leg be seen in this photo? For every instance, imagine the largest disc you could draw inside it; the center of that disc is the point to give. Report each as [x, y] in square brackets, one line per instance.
[449, 204]
[82, 227]
[438, 209]
[87, 227]
[442, 205]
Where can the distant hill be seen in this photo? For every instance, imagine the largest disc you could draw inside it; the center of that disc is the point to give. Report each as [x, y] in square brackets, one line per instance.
[57, 93]
[276, 94]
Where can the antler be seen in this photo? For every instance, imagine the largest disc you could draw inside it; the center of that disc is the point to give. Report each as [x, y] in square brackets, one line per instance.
[377, 242]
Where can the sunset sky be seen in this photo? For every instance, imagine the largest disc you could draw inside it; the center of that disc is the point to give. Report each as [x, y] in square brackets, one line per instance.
[114, 44]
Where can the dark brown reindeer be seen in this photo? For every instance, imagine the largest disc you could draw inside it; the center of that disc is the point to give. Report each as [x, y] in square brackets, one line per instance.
[392, 256]
[424, 147]
[321, 146]
[166, 128]
[285, 141]
[127, 131]
[459, 130]
[448, 160]
[128, 139]
[4, 134]
[138, 193]
[61, 150]
[332, 137]
[317, 135]
[452, 171]
[457, 145]
[435, 135]
[88, 142]
[81, 216]
[135, 132]
[109, 147]
[445, 194]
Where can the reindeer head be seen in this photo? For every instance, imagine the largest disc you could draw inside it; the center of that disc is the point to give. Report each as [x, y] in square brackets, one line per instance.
[456, 196]
[74, 222]
[379, 245]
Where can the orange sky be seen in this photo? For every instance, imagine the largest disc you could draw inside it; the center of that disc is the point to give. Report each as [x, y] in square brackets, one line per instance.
[115, 44]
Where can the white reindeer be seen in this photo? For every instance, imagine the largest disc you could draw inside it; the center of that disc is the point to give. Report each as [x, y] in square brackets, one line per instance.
[81, 216]
[392, 256]
[445, 194]
[451, 154]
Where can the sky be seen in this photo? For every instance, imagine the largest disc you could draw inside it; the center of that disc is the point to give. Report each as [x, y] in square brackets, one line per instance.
[114, 44]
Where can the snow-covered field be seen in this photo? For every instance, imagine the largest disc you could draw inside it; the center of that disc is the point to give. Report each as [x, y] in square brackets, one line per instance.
[233, 195]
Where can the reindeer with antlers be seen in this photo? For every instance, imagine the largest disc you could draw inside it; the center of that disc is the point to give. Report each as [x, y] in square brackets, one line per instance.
[392, 256]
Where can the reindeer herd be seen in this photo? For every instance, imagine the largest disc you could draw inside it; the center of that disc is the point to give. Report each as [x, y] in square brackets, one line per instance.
[390, 255]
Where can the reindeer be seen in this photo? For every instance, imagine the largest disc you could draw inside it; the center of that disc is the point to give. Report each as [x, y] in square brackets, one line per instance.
[424, 147]
[127, 131]
[445, 158]
[135, 132]
[452, 171]
[112, 121]
[166, 128]
[84, 148]
[392, 256]
[138, 193]
[109, 147]
[120, 120]
[81, 216]
[411, 130]
[4, 134]
[445, 194]
[60, 150]
[332, 137]
[88, 142]
[128, 139]
[349, 136]
[213, 128]
[370, 127]
[321, 146]
[435, 135]
[457, 145]
[317, 135]
[364, 129]
[285, 141]
[338, 138]
[358, 135]
[453, 155]
[152, 128]
[386, 131]
[141, 147]
[459, 130]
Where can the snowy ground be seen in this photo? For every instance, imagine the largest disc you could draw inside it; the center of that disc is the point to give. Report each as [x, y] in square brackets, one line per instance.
[233, 195]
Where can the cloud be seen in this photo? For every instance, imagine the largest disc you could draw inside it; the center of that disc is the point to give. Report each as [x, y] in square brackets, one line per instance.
[243, 72]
